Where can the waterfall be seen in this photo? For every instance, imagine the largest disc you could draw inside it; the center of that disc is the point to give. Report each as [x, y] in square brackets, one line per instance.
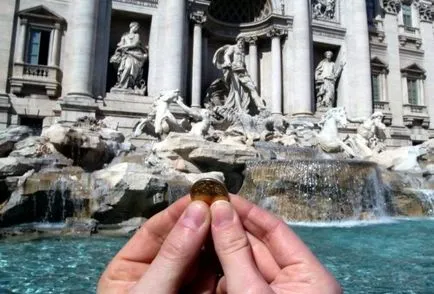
[317, 189]
[427, 198]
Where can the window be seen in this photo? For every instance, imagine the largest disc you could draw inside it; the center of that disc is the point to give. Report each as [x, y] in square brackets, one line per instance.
[376, 88]
[413, 80]
[38, 46]
[379, 80]
[407, 15]
[413, 91]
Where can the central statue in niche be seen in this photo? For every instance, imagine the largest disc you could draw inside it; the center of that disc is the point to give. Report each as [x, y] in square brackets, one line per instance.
[129, 58]
[242, 92]
[326, 75]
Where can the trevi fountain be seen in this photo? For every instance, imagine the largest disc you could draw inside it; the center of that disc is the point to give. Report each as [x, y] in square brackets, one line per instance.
[90, 179]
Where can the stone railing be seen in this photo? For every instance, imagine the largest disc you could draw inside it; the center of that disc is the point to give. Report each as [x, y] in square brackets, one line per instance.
[403, 29]
[36, 70]
[382, 106]
[409, 35]
[35, 77]
[416, 115]
[146, 3]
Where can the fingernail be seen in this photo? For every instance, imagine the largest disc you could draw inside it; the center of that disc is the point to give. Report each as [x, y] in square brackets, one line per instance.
[195, 215]
[222, 213]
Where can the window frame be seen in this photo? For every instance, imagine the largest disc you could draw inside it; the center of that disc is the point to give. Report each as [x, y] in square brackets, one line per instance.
[413, 91]
[407, 18]
[36, 27]
[415, 76]
[381, 71]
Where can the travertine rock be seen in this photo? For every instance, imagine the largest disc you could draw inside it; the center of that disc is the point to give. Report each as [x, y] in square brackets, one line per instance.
[11, 166]
[124, 191]
[10, 136]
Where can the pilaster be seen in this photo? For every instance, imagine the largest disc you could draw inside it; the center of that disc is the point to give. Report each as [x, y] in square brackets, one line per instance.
[427, 34]
[21, 45]
[396, 90]
[7, 13]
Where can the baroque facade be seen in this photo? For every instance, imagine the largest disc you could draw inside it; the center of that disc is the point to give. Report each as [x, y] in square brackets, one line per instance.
[63, 59]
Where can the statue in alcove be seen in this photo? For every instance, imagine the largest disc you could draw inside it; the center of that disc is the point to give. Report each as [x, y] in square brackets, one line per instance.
[242, 94]
[129, 58]
[326, 75]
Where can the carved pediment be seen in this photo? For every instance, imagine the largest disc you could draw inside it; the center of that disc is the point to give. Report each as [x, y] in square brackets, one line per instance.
[376, 61]
[42, 13]
[379, 66]
[414, 70]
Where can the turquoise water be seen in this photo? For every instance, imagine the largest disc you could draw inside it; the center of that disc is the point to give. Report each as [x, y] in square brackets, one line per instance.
[395, 257]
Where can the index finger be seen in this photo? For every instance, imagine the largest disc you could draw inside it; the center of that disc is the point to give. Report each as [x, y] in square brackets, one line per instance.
[145, 244]
[286, 247]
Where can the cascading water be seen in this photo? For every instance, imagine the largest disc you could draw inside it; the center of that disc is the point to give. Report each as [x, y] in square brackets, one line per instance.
[316, 189]
[427, 200]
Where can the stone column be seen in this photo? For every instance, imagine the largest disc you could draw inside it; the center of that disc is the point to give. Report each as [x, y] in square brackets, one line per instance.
[196, 85]
[303, 59]
[21, 45]
[253, 60]
[82, 44]
[358, 100]
[276, 68]
[397, 91]
[55, 48]
[172, 28]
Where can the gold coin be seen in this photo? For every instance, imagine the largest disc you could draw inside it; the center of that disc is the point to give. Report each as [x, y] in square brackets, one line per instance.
[209, 191]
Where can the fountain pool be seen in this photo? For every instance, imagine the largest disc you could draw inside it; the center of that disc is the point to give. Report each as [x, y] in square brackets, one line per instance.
[393, 256]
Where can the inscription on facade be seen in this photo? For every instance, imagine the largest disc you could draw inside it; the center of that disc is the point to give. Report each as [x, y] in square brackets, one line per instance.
[146, 3]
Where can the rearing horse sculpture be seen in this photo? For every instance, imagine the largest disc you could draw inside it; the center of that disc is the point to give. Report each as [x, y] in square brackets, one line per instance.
[328, 138]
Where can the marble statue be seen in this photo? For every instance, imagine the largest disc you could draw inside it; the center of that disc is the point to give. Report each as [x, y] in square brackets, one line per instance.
[160, 121]
[243, 95]
[328, 138]
[370, 136]
[165, 121]
[324, 9]
[202, 118]
[129, 58]
[326, 75]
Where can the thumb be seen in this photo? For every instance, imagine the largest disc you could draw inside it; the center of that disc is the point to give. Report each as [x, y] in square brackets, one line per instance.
[234, 252]
[178, 252]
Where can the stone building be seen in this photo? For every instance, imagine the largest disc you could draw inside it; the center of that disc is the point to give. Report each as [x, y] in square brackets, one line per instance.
[55, 57]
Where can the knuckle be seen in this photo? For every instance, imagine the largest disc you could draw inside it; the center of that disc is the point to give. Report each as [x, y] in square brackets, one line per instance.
[231, 243]
[174, 250]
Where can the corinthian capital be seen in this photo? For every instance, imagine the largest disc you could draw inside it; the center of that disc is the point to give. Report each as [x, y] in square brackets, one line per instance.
[251, 40]
[276, 32]
[198, 17]
[425, 11]
[392, 6]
